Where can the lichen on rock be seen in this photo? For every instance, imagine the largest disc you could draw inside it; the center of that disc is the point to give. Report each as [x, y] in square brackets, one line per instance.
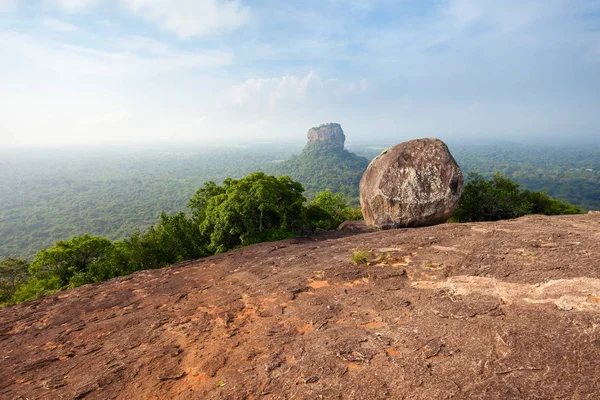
[415, 183]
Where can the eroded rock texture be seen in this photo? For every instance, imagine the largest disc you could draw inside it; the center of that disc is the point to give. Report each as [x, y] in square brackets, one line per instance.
[497, 310]
[415, 183]
[331, 133]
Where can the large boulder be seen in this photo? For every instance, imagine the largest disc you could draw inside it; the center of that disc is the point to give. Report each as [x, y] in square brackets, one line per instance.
[415, 183]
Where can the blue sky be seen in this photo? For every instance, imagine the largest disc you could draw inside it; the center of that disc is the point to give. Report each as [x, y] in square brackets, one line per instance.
[88, 71]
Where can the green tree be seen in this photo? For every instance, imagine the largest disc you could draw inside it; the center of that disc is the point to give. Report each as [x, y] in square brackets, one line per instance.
[175, 239]
[198, 203]
[542, 203]
[68, 258]
[256, 208]
[13, 273]
[500, 198]
[324, 166]
[328, 210]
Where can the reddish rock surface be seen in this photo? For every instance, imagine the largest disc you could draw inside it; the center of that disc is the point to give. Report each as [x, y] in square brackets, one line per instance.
[331, 133]
[415, 183]
[506, 310]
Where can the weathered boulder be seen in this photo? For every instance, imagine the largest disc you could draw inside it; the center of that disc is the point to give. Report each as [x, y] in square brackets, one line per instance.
[353, 226]
[331, 133]
[416, 183]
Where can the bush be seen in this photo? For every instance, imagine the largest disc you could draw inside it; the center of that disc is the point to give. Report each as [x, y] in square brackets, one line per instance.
[327, 211]
[13, 273]
[500, 198]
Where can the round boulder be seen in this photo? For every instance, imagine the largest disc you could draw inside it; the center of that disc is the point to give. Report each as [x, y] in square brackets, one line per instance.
[415, 183]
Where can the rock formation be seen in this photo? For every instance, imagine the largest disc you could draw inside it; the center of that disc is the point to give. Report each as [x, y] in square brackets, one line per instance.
[498, 310]
[416, 183]
[331, 133]
[321, 163]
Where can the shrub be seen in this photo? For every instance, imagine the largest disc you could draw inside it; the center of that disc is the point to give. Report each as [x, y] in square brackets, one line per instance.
[500, 198]
[360, 257]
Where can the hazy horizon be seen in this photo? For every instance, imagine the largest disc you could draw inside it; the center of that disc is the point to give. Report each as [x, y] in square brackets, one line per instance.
[88, 72]
[296, 144]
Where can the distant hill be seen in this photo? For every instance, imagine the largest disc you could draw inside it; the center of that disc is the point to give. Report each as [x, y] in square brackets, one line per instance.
[325, 164]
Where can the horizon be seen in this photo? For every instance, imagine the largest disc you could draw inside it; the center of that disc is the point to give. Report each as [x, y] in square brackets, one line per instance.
[93, 72]
[297, 144]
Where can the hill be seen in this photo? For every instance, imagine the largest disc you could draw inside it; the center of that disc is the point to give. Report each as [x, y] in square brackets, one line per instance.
[507, 310]
[325, 164]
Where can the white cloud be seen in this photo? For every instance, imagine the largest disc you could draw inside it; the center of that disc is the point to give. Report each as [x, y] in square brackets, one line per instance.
[7, 5]
[464, 11]
[272, 91]
[67, 59]
[144, 44]
[269, 93]
[73, 6]
[188, 18]
[58, 25]
[185, 18]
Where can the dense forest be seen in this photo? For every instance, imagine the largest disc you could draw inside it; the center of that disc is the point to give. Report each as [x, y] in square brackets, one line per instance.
[570, 174]
[47, 195]
[323, 166]
[253, 209]
[52, 194]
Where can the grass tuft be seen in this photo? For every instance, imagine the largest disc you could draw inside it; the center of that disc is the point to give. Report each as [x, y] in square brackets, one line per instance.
[359, 257]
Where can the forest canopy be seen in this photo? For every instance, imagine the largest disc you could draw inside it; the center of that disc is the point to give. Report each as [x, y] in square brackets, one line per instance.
[253, 209]
[47, 195]
[240, 212]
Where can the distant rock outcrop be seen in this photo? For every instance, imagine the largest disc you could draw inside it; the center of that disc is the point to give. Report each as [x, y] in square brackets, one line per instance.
[331, 133]
[324, 164]
[416, 183]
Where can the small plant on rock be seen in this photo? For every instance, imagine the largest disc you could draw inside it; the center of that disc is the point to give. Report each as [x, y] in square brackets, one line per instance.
[359, 257]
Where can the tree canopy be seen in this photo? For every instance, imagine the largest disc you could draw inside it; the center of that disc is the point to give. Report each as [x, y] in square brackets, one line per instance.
[500, 198]
[253, 209]
[237, 213]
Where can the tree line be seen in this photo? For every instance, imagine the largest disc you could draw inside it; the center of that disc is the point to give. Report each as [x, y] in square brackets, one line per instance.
[253, 209]
[238, 213]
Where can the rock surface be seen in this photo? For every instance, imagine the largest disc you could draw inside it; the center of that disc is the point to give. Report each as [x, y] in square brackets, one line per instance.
[415, 183]
[501, 310]
[331, 133]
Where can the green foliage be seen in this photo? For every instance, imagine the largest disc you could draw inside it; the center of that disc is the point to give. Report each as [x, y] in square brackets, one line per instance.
[254, 209]
[500, 198]
[568, 174]
[69, 263]
[327, 210]
[54, 194]
[13, 273]
[360, 257]
[322, 166]
[240, 212]
[51, 195]
[36, 288]
[541, 203]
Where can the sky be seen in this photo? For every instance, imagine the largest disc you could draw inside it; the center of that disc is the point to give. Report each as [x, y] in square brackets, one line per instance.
[96, 71]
